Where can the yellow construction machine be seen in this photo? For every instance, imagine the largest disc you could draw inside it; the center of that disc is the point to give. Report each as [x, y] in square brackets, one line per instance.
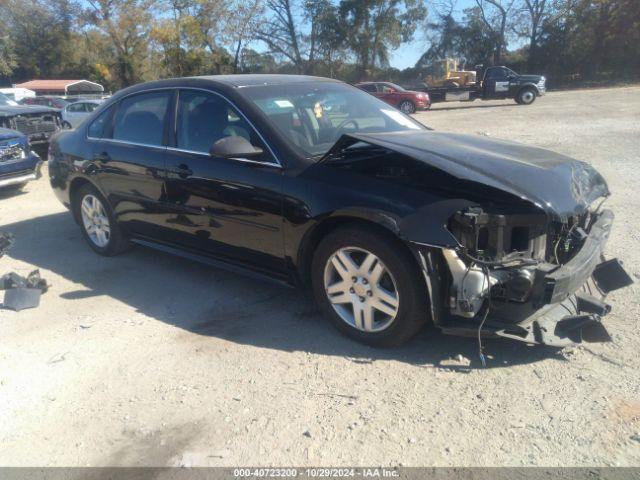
[445, 73]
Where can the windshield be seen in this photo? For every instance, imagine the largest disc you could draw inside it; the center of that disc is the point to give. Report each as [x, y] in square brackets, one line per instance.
[6, 101]
[314, 116]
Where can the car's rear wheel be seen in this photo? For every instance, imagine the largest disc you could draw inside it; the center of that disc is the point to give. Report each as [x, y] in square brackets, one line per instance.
[369, 287]
[407, 106]
[97, 222]
[526, 96]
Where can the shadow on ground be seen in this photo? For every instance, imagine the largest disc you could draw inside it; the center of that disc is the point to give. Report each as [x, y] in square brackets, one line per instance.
[474, 104]
[212, 302]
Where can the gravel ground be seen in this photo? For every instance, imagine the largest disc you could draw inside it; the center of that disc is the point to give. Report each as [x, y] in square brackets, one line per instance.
[147, 359]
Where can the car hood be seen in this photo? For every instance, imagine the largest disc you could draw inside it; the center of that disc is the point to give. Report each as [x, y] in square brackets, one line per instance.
[6, 134]
[529, 78]
[24, 109]
[559, 185]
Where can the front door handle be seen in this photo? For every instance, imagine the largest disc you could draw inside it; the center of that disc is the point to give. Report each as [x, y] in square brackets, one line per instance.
[102, 157]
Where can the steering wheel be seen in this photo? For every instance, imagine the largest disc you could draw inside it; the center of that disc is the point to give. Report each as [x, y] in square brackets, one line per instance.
[346, 122]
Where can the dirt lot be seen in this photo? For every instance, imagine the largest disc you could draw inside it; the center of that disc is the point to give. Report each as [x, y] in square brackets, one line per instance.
[147, 359]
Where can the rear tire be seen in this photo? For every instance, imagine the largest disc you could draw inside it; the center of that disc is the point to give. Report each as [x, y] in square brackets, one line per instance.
[97, 222]
[395, 296]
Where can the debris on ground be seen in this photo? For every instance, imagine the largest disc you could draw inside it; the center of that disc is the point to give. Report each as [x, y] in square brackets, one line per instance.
[20, 292]
[457, 361]
[6, 240]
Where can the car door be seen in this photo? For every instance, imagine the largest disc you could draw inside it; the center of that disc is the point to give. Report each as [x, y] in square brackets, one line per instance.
[496, 83]
[225, 207]
[130, 160]
[74, 113]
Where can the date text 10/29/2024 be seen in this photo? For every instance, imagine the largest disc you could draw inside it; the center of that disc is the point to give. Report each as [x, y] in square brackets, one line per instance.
[316, 473]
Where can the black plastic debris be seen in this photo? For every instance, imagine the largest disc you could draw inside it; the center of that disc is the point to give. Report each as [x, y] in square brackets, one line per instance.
[6, 240]
[20, 292]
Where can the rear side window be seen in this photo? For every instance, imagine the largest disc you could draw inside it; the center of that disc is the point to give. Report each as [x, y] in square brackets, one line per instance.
[140, 118]
[98, 128]
[76, 107]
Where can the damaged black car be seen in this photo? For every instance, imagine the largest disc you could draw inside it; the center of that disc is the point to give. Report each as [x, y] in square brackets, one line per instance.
[311, 182]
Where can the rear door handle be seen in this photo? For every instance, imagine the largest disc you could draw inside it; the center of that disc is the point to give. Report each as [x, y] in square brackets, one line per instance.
[102, 157]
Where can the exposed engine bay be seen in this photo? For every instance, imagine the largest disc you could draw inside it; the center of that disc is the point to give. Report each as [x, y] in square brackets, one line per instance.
[510, 272]
[523, 257]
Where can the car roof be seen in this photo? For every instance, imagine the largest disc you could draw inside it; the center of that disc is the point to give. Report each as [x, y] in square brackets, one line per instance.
[251, 80]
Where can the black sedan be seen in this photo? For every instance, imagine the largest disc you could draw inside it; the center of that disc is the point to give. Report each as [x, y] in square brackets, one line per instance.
[311, 182]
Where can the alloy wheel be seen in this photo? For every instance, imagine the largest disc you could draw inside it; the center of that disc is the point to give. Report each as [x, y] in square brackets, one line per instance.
[361, 289]
[406, 107]
[95, 220]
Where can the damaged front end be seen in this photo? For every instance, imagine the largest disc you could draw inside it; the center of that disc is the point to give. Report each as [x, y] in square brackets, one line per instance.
[510, 237]
[518, 276]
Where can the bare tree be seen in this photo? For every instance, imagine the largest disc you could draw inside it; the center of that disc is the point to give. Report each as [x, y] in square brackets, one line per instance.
[280, 34]
[535, 14]
[495, 14]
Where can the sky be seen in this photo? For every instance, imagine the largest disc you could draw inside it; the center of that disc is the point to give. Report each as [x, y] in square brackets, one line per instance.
[409, 53]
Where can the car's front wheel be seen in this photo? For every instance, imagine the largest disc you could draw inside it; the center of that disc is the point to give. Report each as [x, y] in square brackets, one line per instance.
[369, 286]
[526, 96]
[407, 106]
[97, 222]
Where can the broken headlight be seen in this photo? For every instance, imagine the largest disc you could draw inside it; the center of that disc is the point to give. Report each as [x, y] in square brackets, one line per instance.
[496, 236]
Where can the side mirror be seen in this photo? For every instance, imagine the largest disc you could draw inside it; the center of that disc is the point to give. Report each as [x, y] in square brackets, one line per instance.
[235, 146]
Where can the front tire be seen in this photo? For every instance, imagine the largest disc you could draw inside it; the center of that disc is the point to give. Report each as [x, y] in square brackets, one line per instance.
[526, 96]
[97, 222]
[369, 287]
[66, 125]
[407, 106]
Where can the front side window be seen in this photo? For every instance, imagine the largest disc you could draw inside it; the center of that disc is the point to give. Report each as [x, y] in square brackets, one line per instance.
[98, 128]
[204, 118]
[369, 87]
[140, 118]
[497, 74]
[313, 116]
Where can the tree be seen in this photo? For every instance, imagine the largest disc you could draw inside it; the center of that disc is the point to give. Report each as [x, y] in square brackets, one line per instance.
[494, 14]
[373, 27]
[40, 33]
[280, 33]
[7, 56]
[126, 24]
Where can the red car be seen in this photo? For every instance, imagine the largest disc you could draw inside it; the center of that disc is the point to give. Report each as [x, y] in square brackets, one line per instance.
[407, 101]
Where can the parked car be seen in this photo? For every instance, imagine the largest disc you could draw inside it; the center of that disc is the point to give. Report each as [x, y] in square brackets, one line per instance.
[38, 123]
[407, 101]
[18, 164]
[45, 101]
[17, 94]
[312, 182]
[74, 113]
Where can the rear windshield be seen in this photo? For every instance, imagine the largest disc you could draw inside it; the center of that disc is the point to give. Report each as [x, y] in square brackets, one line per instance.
[313, 116]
